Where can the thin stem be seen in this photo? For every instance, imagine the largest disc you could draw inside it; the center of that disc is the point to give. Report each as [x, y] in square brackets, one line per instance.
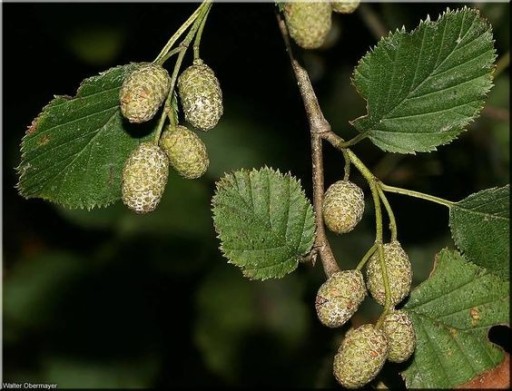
[335, 140]
[391, 215]
[317, 126]
[170, 54]
[161, 121]
[378, 212]
[387, 304]
[197, 41]
[366, 257]
[347, 165]
[372, 21]
[374, 187]
[353, 141]
[496, 113]
[174, 77]
[160, 58]
[171, 114]
[502, 64]
[365, 171]
[416, 194]
[380, 249]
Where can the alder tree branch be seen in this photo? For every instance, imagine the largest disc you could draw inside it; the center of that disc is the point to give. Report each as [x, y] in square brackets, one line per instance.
[318, 126]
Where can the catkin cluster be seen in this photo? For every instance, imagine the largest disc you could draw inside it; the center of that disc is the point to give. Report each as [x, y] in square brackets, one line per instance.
[364, 350]
[142, 93]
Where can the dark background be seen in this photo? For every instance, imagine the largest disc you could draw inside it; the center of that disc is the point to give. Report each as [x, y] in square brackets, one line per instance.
[109, 299]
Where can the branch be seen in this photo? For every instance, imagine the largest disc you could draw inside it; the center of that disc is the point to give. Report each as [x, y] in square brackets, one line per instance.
[318, 126]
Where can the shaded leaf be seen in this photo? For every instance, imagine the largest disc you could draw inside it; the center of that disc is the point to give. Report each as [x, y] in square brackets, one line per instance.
[264, 221]
[452, 313]
[183, 212]
[423, 88]
[480, 226]
[231, 308]
[74, 151]
[34, 284]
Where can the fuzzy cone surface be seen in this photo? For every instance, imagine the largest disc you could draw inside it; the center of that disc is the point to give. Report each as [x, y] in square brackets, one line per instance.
[345, 7]
[143, 92]
[201, 96]
[400, 334]
[186, 151]
[399, 274]
[308, 23]
[361, 356]
[343, 206]
[339, 297]
[144, 178]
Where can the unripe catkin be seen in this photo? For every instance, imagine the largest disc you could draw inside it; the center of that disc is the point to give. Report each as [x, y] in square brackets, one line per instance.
[308, 22]
[145, 175]
[399, 274]
[400, 334]
[201, 96]
[343, 206]
[143, 91]
[186, 151]
[339, 297]
[361, 356]
[345, 6]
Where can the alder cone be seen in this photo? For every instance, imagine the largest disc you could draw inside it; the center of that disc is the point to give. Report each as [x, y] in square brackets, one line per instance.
[400, 334]
[143, 91]
[343, 206]
[308, 23]
[201, 96]
[399, 274]
[360, 357]
[345, 7]
[186, 151]
[145, 175]
[339, 297]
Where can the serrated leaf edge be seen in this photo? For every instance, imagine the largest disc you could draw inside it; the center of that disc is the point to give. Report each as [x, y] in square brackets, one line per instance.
[19, 169]
[227, 179]
[394, 149]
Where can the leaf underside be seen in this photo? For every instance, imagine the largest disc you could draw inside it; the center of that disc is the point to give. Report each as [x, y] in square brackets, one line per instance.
[423, 88]
[452, 313]
[264, 221]
[480, 226]
[74, 151]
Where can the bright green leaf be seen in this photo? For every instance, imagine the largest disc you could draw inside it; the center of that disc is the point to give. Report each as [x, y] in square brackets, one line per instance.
[480, 226]
[264, 221]
[423, 88]
[452, 313]
[74, 151]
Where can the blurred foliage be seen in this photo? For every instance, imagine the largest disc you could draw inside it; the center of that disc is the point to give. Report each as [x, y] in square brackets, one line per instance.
[109, 299]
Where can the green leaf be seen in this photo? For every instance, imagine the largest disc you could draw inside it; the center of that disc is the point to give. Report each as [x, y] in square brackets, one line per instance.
[74, 151]
[480, 226]
[264, 221]
[423, 88]
[452, 313]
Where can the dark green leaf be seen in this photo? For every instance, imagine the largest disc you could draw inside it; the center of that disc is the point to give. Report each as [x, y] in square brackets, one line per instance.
[480, 226]
[423, 88]
[74, 151]
[452, 313]
[264, 221]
